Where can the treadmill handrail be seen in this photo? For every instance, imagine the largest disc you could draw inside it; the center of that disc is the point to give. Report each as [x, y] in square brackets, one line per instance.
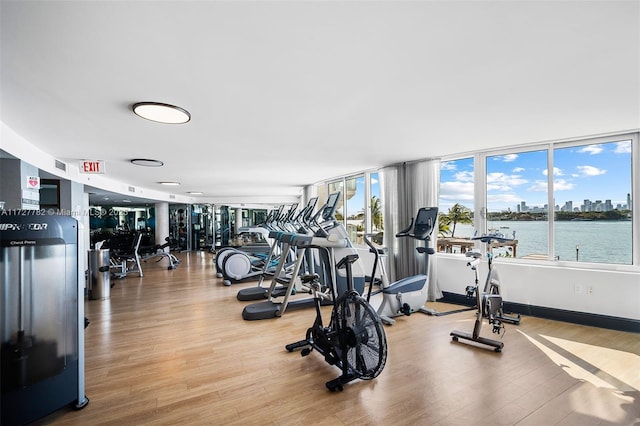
[302, 240]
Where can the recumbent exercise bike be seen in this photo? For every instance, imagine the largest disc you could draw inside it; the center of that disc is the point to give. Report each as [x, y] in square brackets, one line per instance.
[409, 294]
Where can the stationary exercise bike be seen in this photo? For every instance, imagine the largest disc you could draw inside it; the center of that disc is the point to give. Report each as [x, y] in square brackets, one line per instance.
[409, 294]
[489, 301]
[354, 340]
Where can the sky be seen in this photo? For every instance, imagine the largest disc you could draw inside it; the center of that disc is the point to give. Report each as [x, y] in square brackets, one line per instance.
[356, 204]
[594, 172]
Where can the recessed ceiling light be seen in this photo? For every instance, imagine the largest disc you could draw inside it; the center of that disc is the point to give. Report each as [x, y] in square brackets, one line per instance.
[126, 201]
[161, 113]
[195, 192]
[169, 183]
[147, 162]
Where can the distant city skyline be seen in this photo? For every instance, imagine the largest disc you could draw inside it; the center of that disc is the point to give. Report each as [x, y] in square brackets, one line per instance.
[586, 206]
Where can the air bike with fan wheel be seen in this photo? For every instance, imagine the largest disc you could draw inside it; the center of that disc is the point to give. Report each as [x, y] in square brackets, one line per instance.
[354, 340]
[489, 300]
[409, 294]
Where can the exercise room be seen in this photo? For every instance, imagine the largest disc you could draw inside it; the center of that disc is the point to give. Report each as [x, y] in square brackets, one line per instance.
[320, 212]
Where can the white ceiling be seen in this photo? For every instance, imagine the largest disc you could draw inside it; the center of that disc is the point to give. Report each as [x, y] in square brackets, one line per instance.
[285, 94]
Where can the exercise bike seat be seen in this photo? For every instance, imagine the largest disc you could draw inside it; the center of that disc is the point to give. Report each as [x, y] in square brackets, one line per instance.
[474, 254]
[428, 250]
[407, 285]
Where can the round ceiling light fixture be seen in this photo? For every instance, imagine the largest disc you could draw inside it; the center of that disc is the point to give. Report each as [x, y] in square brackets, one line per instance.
[145, 162]
[161, 113]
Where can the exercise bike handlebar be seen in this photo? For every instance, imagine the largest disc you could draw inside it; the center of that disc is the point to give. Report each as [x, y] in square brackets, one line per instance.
[406, 232]
[473, 264]
[372, 248]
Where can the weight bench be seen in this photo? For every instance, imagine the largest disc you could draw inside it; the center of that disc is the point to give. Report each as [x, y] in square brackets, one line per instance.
[157, 251]
[119, 260]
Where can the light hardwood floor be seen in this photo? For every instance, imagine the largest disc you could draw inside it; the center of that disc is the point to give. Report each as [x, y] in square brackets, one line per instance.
[172, 348]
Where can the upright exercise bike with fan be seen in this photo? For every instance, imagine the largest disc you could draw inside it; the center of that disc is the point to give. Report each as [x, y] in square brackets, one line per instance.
[354, 340]
[489, 300]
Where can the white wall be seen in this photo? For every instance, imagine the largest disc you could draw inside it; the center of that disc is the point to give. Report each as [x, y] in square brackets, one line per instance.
[595, 291]
[555, 285]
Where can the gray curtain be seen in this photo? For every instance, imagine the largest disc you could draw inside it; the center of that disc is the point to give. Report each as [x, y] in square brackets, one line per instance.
[389, 185]
[406, 188]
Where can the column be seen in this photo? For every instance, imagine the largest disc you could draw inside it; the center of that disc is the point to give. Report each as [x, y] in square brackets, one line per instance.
[238, 220]
[20, 184]
[162, 223]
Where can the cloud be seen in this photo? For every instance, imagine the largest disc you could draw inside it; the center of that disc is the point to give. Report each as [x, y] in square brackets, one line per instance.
[590, 171]
[592, 149]
[509, 198]
[556, 172]
[623, 147]
[509, 158]
[448, 165]
[562, 185]
[558, 185]
[538, 186]
[518, 170]
[456, 191]
[464, 176]
[504, 182]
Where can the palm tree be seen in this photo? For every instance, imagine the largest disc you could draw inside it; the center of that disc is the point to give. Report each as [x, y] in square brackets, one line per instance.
[376, 212]
[459, 214]
[444, 223]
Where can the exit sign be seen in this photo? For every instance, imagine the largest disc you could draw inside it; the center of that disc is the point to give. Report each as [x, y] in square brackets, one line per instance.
[92, 166]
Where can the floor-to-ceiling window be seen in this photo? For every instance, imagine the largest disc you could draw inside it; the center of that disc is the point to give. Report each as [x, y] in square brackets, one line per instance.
[355, 203]
[456, 205]
[338, 186]
[592, 187]
[517, 202]
[375, 207]
[359, 207]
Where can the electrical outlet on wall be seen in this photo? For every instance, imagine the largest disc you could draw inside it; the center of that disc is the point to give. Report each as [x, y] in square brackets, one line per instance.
[578, 289]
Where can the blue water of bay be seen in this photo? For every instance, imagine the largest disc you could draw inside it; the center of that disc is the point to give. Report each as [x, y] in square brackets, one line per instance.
[596, 241]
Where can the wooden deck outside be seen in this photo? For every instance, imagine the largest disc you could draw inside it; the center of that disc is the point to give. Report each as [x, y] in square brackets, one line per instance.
[463, 245]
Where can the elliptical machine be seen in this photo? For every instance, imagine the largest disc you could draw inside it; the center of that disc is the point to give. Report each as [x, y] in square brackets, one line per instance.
[489, 301]
[409, 294]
